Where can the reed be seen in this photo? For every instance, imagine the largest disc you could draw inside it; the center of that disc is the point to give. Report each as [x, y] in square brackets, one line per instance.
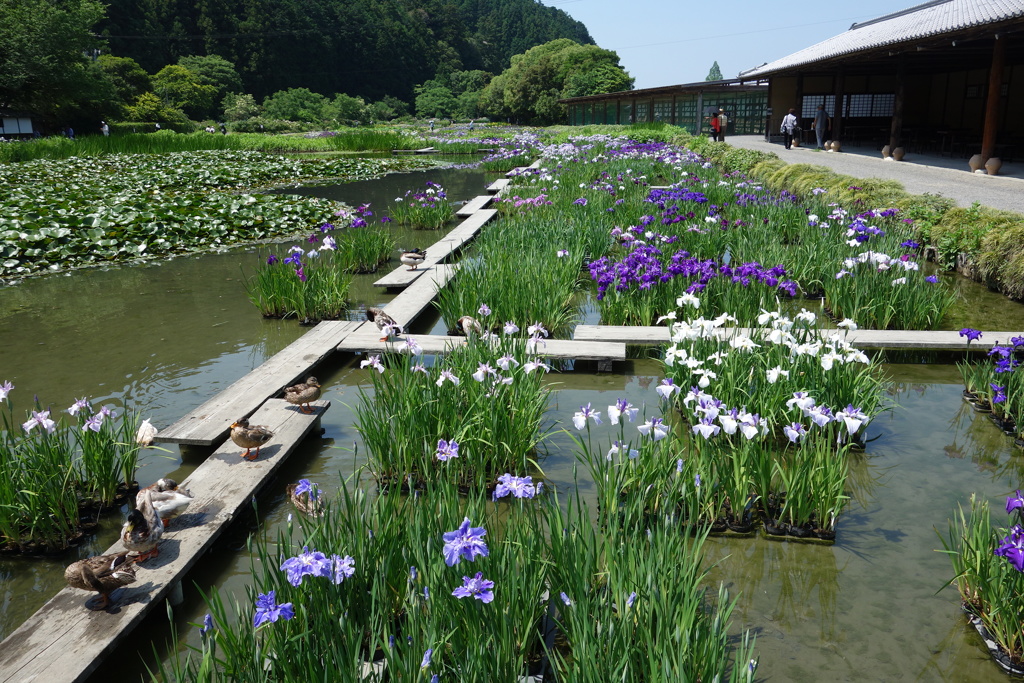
[428, 209]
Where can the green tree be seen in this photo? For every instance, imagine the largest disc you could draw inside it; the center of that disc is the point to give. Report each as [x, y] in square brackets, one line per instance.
[126, 76]
[542, 75]
[297, 104]
[216, 71]
[182, 89]
[43, 64]
[715, 74]
[345, 108]
[149, 108]
[434, 99]
[239, 106]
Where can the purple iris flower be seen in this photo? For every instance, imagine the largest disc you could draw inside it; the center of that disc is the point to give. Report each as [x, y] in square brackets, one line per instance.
[309, 488]
[446, 450]
[517, 487]
[1014, 502]
[426, 658]
[344, 568]
[307, 563]
[565, 599]
[207, 625]
[998, 393]
[295, 258]
[477, 587]
[932, 279]
[42, 419]
[465, 542]
[268, 611]
[272, 259]
[971, 334]
[1012, 548]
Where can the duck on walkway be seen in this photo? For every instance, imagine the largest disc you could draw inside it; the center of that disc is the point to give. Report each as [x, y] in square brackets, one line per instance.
[301, 394]
[413, 258]
[249, 437]
[101, 573]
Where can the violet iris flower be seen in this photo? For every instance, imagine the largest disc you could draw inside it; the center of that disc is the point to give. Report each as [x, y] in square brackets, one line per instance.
[579, 419]
[309, 488]
[477, 587]
[1014, 502]
[307, 563]
[344, 568]
[971, 334]
[465, 542]
[41, 419]
[517, 487]
[446, 450]
[5, 389]
[1012, 548]
[268, 611]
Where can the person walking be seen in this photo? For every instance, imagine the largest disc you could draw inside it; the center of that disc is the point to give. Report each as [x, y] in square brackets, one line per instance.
[715, 126]
[723, 123]
[822, 124]
[105, 129]
[789, 126]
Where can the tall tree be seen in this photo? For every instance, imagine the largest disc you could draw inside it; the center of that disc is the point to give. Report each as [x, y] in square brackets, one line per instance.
[542, 75]
[715, 74]
[43, 48]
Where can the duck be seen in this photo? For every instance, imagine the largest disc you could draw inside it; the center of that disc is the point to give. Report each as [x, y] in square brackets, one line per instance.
[168, 497]
[147, 432]
[468, 324]
[143, 529]
[413, 258]
[384, 322]
[101, 573]
[306, 498]
[301, 394]
[249, 437]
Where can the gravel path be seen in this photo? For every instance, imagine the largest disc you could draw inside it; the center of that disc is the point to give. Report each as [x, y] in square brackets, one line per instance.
[918, 173]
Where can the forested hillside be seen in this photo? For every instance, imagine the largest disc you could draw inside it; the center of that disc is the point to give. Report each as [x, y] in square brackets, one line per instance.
[367, 48]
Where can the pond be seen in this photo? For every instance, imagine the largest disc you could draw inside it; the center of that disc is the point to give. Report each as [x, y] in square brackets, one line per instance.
[166, 337]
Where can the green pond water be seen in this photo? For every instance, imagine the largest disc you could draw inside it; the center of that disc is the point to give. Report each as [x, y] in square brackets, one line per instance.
[165, 337]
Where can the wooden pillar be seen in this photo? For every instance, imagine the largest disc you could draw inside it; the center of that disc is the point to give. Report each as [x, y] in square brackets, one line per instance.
[799, 104]
[896, 130]
[837, 115]
[995, 86]
[700, 113]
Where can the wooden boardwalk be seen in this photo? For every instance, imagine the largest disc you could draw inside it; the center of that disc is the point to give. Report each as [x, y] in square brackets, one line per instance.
[439, 251]
[412, 301]
[499, 185]
[368, 341]
[208, 424]
[65, 641]
[474, 205]
[935, 340]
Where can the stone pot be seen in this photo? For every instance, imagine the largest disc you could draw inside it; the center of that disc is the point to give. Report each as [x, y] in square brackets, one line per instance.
[886, 152]
[975, 162]
[993, 165]
[898, 153]
[836, 146]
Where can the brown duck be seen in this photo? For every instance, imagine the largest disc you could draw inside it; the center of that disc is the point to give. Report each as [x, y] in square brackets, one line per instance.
[384, 322]
[250, 437]
[143, 529]
[101, 573]
[302, 394]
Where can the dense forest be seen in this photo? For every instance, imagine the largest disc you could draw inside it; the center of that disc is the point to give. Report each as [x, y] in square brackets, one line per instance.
[365, 48]
[293, 65]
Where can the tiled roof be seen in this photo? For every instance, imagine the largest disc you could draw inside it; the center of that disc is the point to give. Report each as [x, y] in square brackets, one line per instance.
[921, 21]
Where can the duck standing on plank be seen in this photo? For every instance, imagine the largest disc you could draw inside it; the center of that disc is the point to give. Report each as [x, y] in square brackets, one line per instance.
[101, 573]
[249, 437]
[143, 529]
[301, 394]
[413, 258]
[470, 326]
[384, 322]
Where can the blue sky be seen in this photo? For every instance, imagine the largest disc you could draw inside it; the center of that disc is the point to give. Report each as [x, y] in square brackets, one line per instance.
[666, 42]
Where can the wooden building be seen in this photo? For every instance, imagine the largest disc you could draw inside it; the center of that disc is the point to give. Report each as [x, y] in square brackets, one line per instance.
[945, 76]
[688, 105]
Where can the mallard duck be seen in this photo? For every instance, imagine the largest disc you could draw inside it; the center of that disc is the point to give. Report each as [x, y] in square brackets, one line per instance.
[384, 322]
[147, 432]
[305, 496]
[302, 394]
[143, 529]
[468, 324]
[250, 437]
[413, 258]
[101, 573]
[168, 497]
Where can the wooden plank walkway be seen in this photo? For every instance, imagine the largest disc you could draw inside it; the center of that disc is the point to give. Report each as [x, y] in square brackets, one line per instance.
[937, 340]
[65, 641]
[412, 301]
[474, 205]
[422, 150]
[369, 342]
[208, 424]
[440, 250]
[498, 185]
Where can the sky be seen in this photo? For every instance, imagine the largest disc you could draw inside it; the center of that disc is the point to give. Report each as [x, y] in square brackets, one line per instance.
[667, 42]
